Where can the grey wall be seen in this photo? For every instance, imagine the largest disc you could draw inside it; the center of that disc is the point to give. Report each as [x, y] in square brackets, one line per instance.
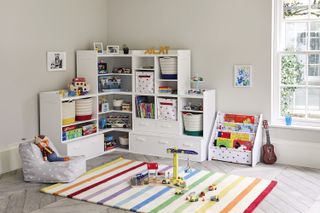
[220, 34]
[28, 29]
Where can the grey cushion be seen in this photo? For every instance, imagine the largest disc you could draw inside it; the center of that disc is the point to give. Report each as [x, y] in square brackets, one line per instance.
[37, 170]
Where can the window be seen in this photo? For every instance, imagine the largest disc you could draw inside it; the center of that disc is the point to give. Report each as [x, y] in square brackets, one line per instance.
[296, 59]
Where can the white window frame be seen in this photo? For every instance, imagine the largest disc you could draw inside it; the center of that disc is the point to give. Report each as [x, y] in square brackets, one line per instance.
[278, 43]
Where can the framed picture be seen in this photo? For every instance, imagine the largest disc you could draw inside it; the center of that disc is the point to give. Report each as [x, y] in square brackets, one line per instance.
[98, 46]
[113, 49]
[242, 76]
[56, 61]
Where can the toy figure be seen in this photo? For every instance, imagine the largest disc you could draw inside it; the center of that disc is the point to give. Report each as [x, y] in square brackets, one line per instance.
[48, 154]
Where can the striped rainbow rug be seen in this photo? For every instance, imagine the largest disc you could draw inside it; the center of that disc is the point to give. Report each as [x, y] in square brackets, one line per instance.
[109, 185]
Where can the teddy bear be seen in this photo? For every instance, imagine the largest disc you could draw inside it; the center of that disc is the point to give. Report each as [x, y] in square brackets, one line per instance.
[48, 154]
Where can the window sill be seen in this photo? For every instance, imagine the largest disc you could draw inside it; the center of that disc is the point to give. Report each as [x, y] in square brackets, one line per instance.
[295, 126]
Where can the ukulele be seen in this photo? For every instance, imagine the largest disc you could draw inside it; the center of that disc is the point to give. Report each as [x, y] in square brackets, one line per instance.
[269, 156]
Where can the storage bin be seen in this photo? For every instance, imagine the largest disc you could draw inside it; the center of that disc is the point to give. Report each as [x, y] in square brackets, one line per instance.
[167, 109]
[109, 83]
[232, 155]
[68, 112]
[168, 67]
[84, 109]
[144, 82]
[193, 124]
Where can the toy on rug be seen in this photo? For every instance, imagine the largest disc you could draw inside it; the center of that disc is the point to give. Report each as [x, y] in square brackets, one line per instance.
[47, 153]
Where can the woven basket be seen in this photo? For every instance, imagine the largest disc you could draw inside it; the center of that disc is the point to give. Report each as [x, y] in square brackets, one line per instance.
[193, 124]
[168, 65]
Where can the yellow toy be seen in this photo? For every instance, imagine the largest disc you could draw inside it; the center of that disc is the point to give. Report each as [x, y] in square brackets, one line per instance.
[152, 51]
[176, 180]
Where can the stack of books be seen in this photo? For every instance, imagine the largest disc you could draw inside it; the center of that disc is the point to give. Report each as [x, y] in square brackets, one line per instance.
[144, 107]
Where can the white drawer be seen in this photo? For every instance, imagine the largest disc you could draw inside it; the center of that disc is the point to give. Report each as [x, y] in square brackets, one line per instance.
[90, 147]
[151, 145]
[156, 126]
[194, 145]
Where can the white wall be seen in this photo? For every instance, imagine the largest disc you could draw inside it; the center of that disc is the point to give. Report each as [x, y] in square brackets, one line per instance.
[220, 33]
[28, 29]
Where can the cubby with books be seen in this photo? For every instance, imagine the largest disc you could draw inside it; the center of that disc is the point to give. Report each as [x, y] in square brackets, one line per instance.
[236, 138]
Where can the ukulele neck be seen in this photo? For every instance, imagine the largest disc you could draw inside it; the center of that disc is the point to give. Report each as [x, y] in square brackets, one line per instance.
[268, 136]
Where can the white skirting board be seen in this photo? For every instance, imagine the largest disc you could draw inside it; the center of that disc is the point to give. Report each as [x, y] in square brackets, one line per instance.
[298, 153]
[9, 159]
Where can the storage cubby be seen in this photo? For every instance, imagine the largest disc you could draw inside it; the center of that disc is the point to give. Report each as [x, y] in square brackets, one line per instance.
[114, 83]
[115, 102]
[144, 62]
[115, 121]
[115, 64]
[145, 107]
[191, 105]
[168, 67]
[167, 87]
[116, 139]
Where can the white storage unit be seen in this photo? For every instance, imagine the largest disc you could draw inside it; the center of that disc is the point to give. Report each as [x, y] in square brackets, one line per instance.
[146, 136]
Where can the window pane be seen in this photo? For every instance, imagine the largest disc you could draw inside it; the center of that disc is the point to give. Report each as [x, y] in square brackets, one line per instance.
[293, 101]
[293, 69]
[296, 36]
[315, 36]
[314, 70]
[315, 9]
[295, 9]
[314, 103]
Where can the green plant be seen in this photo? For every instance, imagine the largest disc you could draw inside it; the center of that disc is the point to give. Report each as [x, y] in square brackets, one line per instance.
[291, 74]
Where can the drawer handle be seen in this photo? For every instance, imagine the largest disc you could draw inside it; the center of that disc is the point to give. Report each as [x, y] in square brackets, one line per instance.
[163, 142]
[141, 139]
[187, 145]
[165, 126]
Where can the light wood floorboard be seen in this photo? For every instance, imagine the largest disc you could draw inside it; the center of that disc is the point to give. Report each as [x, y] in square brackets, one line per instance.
[297, 191]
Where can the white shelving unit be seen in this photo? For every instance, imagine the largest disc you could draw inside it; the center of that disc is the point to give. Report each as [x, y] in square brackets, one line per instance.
[146, 136]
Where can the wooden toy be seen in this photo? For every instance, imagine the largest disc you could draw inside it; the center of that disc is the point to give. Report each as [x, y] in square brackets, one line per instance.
[152, 170]
[79, 86]
[192, 197]
[214, 198]
[162, 50]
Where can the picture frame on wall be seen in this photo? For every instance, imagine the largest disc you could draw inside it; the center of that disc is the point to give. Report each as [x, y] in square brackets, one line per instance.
[113, 49]
[56, 61]
[242, 76]
[98, 46]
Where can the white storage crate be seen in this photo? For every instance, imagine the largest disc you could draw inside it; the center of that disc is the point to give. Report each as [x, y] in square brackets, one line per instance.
[144, 82]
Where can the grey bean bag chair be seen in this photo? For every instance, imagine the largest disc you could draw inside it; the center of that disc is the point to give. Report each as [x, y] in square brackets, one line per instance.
[35, 169]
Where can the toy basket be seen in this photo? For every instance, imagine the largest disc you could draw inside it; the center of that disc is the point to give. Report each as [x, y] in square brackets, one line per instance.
[84, 109]
[168, 67]
[193, 124]
[68, 112]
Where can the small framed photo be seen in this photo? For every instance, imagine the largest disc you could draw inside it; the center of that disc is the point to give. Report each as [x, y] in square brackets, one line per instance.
[113, 49]
[242, 76]
[98, 46]
[56, 61]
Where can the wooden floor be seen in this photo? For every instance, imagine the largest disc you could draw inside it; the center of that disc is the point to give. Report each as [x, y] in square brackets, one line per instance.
[298, 189]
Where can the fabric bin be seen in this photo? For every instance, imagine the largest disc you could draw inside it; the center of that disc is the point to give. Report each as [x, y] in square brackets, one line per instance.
[193, 124]
[168, 67]
[167, 109]
[84, 109]
[144, 82]
[68, 112]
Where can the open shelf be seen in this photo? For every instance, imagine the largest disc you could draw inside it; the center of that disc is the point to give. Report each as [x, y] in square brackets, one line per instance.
[115, 111]
[71, 98]
[80, 122]
[112, 74]
[115, 129]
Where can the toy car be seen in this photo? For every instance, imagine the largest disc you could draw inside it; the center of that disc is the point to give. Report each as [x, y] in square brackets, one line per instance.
[192, 197]
[214, 198]
[179, 192]
[117, 124]
[166, 181]
[212, 187]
